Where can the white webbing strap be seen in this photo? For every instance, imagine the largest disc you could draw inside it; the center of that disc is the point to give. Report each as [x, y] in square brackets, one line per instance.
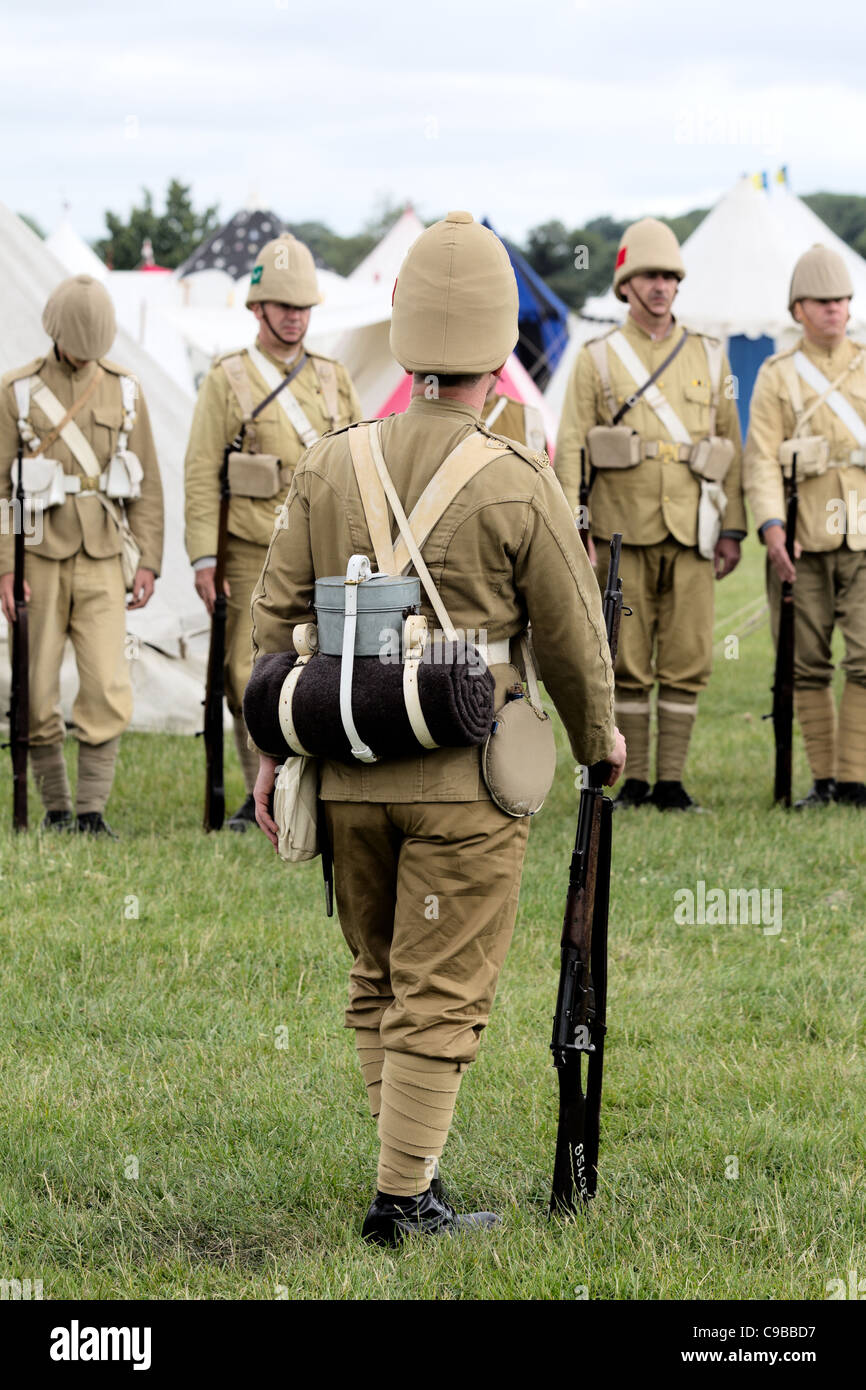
[358, 570]
[373, 498]
[71, 435]
[406, 533]
[715, 356]
[597, 350]
[415, 634]
[652, 395]
[533, 428]
[471, 455]
[496, 412]
[128, 400]
[284, 708]
[829, 395]
[287, 401]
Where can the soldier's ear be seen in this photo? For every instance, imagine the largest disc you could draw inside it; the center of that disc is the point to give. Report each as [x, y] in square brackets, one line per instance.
[797, 311]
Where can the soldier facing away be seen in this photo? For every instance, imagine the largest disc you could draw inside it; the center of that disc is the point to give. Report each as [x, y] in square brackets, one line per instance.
[82, 427]
[648, 402]
[424, 830]
[810, 402]
[317, 395]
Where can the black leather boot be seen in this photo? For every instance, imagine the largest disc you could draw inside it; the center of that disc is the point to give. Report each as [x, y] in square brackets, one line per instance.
[851, 793]
[823, 792]
[391, 1218]
[57, 820]
[244, 816]
[633, 793]
[91, 823]
[672, 796]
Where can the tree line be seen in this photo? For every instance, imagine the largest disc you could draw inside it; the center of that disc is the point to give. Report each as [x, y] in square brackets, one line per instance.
[550, 248]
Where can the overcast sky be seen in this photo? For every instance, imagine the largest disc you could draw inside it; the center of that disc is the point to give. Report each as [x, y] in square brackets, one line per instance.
[521, 111]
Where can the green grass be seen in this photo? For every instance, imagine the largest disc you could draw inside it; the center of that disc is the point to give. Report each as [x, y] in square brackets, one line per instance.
[154, 1038]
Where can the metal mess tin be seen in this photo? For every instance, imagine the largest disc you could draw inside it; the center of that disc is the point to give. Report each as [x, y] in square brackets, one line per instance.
[383, 602]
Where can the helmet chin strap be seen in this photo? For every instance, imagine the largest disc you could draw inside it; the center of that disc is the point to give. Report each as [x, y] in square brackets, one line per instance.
[645, 307]
[279, 337]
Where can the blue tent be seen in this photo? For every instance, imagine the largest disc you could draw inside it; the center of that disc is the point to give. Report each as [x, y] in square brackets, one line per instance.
[542, 319]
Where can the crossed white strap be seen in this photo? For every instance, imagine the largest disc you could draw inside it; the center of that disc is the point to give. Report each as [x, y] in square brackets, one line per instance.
[34, 389]
[287, 402]
[653, 396]
[842, 409]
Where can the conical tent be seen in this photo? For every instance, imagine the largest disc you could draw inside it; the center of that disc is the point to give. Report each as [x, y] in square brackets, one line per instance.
[166, 638]
[72, 251]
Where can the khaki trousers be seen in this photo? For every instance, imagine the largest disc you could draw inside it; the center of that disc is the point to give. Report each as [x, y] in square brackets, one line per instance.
[669, 636]
[830, 590]
[244, 563]
[83, 599]
[427, 897]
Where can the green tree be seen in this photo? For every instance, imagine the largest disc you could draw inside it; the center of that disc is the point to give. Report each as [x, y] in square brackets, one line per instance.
[174, 233]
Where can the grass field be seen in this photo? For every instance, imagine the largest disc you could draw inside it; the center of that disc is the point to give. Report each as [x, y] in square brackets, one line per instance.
[182, 1116]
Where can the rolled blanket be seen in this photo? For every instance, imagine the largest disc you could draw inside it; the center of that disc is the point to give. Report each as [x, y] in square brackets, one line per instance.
[261, 702]
[456, 698]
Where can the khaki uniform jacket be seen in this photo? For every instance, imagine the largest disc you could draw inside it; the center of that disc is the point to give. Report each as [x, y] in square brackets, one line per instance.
[506, 553]
[511, 420]
[660, 495]
[772, 421]
[82, 522]
[217, 421]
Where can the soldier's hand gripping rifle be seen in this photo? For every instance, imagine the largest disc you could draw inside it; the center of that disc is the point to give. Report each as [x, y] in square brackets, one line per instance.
[19, 706]
[579, 1022]
[215, 796]
[783, 681]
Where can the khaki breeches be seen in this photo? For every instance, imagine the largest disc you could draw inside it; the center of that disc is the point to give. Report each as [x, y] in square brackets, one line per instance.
[244, 563]
[830, 589]
[669, 636]
[85, 600]
[427, 897]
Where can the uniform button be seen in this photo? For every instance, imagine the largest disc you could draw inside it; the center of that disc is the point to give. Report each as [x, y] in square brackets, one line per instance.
[666, 498]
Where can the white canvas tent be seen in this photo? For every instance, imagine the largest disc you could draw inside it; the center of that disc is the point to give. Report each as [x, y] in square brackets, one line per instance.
[167, 645]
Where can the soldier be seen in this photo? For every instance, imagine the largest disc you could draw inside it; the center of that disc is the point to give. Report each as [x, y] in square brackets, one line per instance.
[317, 396]
[514, 419]
[421, 836]
[811, 402]
[664, 476]
[81, 423]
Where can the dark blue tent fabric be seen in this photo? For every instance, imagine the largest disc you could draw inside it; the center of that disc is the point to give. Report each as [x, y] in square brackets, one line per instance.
[542, 319]
[745, 356]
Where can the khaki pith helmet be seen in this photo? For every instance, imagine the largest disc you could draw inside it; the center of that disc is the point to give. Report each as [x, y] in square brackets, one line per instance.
[79, 317]
[284, 273]
[455, 300]
[820, 274]
[646, 246]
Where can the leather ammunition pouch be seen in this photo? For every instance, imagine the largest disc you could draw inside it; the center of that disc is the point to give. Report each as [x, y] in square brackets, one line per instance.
[813, 455]
[121, 479]
[613, 446]
[255, 475]
[711, 458]
[44, 482]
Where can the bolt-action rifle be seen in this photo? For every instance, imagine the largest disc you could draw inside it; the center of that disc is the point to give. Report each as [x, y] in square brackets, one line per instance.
[579, 1022]
[215, 795]
[583, 497]
[783, 681]
[19, 705]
